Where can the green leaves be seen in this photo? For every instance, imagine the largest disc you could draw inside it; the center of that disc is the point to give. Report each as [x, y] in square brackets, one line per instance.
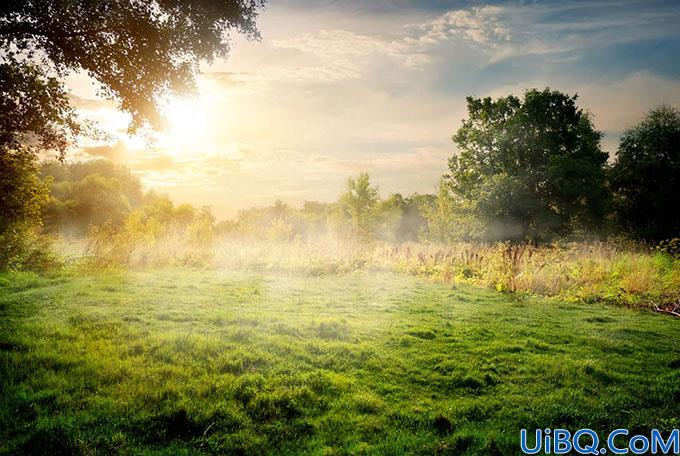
[359, 204]
[34, 109]
[646, 176]
[532, 169]
[137, 51]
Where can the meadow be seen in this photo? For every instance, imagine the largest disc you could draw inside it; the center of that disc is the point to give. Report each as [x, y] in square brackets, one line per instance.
[262, 306]
[232, 361]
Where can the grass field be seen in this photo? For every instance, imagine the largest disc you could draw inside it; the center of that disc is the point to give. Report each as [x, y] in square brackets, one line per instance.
[218, 362]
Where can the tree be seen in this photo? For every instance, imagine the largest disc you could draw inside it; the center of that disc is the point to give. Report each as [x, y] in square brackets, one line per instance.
[315, 216]
[130, 185]
[646, 176]
[137, 51]
[359, 204]
[88, 194]
[20, 171]
[22, 193]
[529, 169]
[448, 218]
[389, 215]
[34, 109]
[403, 219]
[413, 224]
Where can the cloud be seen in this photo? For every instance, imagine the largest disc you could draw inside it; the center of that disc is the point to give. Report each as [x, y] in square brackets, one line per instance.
[348, 47]
[158, 163]
[90, 104]
[422, 158]
[342, 54]
[227, 78]
[482, 25]
[554, 28]
[117, 153]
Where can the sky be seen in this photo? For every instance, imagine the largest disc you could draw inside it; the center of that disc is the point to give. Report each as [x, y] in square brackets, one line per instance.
[335, 88]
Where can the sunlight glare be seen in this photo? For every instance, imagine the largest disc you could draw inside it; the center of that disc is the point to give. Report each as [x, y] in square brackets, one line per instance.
[186, 123]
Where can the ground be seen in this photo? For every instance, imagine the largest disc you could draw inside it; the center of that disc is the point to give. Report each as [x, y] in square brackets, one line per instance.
[223, 362]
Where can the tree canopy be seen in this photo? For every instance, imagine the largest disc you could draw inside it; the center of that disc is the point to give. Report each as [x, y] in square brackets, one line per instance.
[529, 168]
[137, 51]
[646, 176]
[34, 109]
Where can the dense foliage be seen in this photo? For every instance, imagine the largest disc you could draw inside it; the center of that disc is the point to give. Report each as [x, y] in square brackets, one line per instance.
[646, 176]
[137, 51]
[529, 169]
[88, 194]
[35, 113]
[34, 116]
[22, 193]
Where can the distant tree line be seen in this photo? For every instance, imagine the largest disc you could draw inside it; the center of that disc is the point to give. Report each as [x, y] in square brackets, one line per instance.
[528, 169]
[359, 214]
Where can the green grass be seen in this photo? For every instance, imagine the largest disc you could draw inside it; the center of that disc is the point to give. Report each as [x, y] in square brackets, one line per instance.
[218, 362]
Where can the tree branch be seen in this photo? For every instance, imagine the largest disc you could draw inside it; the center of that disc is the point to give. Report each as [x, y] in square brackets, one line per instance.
[29, 29]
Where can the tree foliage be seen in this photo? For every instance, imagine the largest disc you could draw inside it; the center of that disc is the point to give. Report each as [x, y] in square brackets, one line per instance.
[646, 176]
[34, 110]
[359, 204]
[19, 170]
[88, 194]
[22, 194]
[529, 169]
[402, 219]
[137, 51]
[448, 217]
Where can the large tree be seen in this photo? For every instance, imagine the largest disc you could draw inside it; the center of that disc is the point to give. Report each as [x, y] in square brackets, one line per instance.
[646, 176]
[529, 169]
[138, 51]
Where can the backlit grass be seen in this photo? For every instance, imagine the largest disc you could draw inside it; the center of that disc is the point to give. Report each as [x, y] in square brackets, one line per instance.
[219, 362]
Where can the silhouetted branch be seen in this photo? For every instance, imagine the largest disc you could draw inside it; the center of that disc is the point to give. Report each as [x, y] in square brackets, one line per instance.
[29, 29]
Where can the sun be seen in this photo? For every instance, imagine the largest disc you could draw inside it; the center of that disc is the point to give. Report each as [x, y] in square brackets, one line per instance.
[187, 123]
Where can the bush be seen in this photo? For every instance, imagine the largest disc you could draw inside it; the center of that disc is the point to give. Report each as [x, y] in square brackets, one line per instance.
[21, 194]
[24, 248]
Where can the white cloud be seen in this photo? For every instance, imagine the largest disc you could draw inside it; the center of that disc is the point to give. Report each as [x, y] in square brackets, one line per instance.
[482, 25]
[539, 28]
[342, 54]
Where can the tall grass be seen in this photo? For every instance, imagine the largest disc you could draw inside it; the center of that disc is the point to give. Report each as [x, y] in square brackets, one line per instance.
[623, 273]
[595, 271]
[321, 255]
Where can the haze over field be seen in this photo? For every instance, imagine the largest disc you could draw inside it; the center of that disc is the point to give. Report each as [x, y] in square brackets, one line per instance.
[335, 88]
